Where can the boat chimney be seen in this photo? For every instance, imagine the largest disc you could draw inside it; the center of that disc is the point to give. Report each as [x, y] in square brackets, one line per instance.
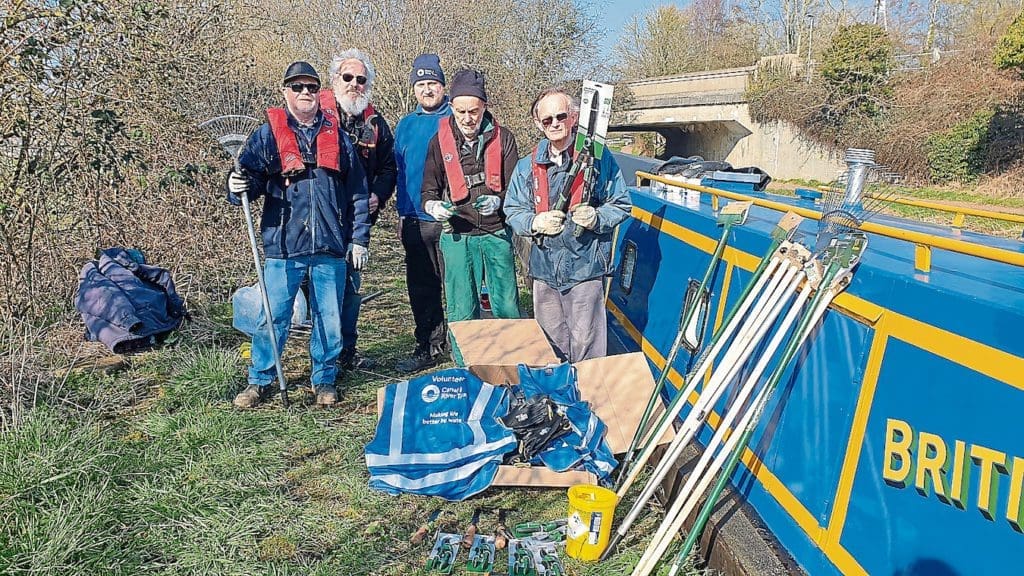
[859, 162]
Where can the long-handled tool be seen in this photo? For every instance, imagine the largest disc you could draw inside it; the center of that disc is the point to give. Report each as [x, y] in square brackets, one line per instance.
[697, 481]
[232, 131]
[842, 257]
[731, 215]
[769, 305]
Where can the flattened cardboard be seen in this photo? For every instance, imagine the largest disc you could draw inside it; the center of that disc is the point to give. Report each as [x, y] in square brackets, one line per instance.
[502, 342]
[617, 387]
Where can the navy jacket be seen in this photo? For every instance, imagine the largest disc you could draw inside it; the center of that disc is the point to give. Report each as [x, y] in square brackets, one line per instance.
[565, 260]
[315, 212]
[125, 304]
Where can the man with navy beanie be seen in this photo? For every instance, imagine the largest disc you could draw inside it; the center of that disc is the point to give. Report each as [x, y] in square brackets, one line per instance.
[419, 231]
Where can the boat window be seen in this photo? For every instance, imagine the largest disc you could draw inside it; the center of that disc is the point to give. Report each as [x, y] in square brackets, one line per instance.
[628, 268]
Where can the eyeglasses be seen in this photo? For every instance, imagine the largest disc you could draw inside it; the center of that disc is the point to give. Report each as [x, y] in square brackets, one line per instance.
[297, 87]
[360, 79]
[560, 117]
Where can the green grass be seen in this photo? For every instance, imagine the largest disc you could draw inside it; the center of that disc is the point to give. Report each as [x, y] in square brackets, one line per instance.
[150, 470]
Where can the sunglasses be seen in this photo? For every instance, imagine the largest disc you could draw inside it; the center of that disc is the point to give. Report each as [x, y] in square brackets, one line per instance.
[360, 79]
[547, 122]
[297, 87]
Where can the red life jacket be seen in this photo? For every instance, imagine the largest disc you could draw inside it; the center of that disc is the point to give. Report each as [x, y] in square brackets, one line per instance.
[328, 148]
[453, 168]
[541, 190]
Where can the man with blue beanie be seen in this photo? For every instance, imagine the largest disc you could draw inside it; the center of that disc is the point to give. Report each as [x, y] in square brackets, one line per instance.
[419, 231]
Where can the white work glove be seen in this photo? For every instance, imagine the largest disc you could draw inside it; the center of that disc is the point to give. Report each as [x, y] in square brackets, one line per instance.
[358, 256]
[238, 184]
[550, 223]
[441, 211]
[586, 216]
[487, 204]
[374, 203]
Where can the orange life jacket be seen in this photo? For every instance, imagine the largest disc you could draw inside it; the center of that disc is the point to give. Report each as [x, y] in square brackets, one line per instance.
[453, 168]
[328, 147]
[542, 191]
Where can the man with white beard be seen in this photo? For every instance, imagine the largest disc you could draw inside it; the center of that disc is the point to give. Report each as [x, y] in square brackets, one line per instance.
[352, 76]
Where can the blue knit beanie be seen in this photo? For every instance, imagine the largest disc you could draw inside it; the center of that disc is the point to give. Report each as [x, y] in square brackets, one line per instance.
[426, 67]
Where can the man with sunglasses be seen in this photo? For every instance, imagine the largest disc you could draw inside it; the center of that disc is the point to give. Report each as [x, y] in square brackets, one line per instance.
[315, 212]
[419, 231]
[469, 164]
[567, 267]
[352, 75]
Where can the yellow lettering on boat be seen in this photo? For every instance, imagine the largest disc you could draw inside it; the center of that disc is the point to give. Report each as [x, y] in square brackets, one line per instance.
[931, 464]
[897, 464]
[992, 463]
[945, 470]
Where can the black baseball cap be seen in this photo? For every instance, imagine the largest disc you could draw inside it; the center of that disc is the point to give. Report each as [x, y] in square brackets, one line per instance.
[299, 68]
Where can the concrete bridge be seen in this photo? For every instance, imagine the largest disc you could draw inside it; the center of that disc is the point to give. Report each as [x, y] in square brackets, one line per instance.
[706, 114]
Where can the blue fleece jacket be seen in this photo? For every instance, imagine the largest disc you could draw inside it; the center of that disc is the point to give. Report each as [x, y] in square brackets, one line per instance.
[412, 135]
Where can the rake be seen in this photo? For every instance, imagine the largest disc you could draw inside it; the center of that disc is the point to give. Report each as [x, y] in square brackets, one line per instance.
[231, 131]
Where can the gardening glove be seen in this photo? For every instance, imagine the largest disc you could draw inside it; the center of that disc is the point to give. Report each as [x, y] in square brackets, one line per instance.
[238, 184]
[358, 256]
[550, 223]
[487, 204]
[585, 216]
[441, 211]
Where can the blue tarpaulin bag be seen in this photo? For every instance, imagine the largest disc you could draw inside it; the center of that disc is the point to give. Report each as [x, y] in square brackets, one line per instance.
[584, 446]
[438, 435]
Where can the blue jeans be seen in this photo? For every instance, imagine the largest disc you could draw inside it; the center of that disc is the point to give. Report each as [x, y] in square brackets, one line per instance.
[350, 308]
[326, 289]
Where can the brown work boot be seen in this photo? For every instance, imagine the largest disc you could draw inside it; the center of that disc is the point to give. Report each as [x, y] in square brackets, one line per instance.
[252, 396]
[326, 395]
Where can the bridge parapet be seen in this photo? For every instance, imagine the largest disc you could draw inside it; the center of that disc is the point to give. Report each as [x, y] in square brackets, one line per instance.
[711, 98]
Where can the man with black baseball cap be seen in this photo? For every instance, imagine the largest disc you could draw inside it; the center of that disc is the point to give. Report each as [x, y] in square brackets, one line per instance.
[315, 212]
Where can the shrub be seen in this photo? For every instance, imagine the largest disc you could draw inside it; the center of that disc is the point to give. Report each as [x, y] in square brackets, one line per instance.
[856, 67]
[959, 154]
[1009, 53]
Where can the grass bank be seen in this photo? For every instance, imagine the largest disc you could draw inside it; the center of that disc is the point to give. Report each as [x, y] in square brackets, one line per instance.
[146, 468]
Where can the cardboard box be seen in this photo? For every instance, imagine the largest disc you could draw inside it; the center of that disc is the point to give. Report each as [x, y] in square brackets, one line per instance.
[617, 387]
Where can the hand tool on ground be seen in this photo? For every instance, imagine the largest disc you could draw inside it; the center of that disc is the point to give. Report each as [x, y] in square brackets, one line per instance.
[482, 551]
[733, 214]
[467, 539]
[422, 532]
[501, 533]
[232, 131]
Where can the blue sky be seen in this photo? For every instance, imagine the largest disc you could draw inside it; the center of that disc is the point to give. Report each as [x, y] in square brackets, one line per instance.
[613, 14]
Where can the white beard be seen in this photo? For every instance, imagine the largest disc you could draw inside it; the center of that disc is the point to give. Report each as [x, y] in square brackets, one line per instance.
[354, 105]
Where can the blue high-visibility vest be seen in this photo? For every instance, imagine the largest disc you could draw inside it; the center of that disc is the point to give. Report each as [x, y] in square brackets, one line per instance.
[438, 435]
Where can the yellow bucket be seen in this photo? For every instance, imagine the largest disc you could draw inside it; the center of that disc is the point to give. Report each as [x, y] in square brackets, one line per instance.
[590, 521]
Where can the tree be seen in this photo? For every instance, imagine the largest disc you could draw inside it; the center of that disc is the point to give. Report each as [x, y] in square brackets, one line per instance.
[856, 67]
[669, 40]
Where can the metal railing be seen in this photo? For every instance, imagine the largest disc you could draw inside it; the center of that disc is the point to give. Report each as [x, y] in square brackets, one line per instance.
[923, 243]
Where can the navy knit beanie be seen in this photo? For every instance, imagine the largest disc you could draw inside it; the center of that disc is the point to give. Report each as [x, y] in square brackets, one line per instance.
[426, 67]
[468, 83]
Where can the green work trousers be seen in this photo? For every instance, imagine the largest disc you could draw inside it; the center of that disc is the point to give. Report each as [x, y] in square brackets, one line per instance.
[468, 261]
